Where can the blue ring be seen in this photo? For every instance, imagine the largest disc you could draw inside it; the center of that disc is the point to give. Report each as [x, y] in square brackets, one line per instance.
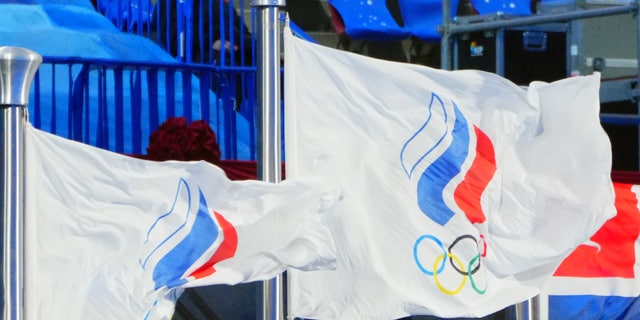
[415, 254]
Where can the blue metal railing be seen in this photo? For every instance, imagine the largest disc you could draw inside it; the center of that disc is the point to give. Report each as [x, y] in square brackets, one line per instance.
[201, 34]
[115, 105]
[210, 39]
[189, 29]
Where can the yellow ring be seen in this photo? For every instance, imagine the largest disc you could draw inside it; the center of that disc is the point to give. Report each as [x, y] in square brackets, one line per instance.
[435, 275]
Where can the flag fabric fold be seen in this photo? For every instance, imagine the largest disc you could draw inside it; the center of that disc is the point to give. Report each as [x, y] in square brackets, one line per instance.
[461, 192]
[113, 237]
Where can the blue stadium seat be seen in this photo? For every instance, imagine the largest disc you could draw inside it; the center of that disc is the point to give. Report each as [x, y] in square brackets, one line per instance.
[127, 13]
[369, 20]
[140, 13]
[514, 7]
[423, 17]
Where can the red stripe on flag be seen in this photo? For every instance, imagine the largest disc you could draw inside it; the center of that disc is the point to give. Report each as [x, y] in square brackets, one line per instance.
[616, 239]
[483, 167]
[226, 250]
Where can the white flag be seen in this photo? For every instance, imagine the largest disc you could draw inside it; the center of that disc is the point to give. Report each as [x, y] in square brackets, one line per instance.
[113, 237]
[462, 192]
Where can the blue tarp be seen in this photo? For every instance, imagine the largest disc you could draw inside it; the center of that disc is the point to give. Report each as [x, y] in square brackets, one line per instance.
[72, 30]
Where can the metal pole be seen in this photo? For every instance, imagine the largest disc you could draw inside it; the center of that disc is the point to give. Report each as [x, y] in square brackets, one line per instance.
[520, 311]
[269, 124]
[17, 68]
[445, 41]
[530, 311]
[534, 308]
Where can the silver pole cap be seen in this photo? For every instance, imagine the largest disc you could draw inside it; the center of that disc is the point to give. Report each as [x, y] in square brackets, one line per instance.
[18, 66]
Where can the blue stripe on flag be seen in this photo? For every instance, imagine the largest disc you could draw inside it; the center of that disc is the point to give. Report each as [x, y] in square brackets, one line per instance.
[171, 268]
[441, 171]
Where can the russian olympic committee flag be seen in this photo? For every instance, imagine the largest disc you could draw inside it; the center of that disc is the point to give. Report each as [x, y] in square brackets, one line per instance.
[113, 237]
[461, 192]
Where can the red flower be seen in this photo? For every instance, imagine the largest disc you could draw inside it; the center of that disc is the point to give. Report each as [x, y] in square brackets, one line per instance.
[174, 140]
[203, 143]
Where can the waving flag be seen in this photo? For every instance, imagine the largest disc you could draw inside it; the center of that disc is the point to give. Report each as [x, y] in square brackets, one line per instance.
[113, 237]
[600, 279]
[461, 192]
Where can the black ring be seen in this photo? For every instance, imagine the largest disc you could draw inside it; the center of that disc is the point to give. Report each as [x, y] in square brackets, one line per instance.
[458, 239]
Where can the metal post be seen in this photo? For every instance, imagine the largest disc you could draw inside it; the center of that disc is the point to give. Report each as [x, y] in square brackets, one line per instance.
[530, 311]
[269, 124]
[445, 41]
[534, 308]
[500, 52]
[17, 68]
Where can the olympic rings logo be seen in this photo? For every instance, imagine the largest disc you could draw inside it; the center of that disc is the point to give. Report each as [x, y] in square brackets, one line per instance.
[467, 270]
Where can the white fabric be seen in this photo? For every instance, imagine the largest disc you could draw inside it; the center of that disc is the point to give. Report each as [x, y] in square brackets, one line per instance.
[401, 140]
[113, 237]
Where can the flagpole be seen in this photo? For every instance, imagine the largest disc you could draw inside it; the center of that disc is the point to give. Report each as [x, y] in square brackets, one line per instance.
[17, 68]
[269, 124]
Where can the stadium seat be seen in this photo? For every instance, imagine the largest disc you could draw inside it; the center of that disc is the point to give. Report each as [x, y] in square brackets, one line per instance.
[423, 17]
[140, 13]
[513, 7]
[369, 20]
[127, 13]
